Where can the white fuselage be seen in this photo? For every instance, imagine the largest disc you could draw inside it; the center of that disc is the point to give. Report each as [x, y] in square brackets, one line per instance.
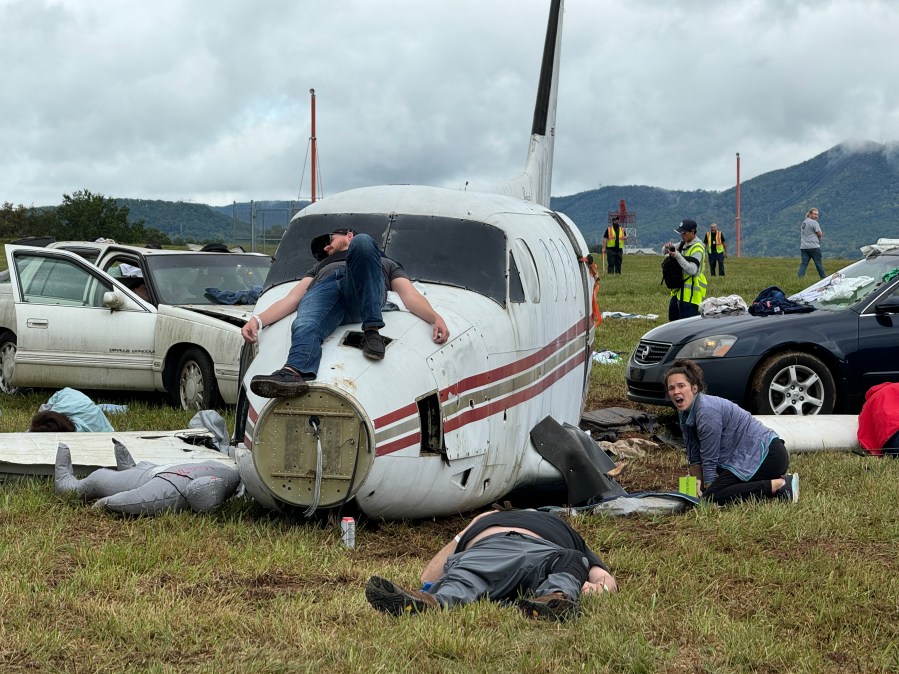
[448, 425]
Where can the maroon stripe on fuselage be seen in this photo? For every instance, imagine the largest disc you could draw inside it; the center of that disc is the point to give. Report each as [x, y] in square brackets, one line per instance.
[495, 407]
[484, 378]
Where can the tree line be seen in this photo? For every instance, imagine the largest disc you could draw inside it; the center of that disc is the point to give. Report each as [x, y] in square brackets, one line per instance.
[82, 216]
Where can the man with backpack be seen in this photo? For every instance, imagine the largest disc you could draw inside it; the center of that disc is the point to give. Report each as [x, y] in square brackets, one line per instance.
[689, 287]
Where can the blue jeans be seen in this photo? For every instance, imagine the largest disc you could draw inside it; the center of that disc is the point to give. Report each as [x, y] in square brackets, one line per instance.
[807, 254]
[353, 293]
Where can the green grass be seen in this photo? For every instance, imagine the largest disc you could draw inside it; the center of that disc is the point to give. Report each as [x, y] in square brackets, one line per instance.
[767, 587]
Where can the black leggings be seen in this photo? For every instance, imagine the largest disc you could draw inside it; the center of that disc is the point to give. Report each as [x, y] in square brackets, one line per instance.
[728, 488]
[891, 446]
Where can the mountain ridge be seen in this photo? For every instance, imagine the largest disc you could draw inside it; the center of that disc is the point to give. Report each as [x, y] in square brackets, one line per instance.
[855, 186]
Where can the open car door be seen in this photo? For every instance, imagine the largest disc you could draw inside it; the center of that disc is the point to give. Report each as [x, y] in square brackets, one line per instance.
[75, 325]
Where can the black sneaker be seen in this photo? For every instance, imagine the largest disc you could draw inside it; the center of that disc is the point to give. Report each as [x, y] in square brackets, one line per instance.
[790, 490]
[285, 383]
[373, 344]
[388, 597]
[552, 606]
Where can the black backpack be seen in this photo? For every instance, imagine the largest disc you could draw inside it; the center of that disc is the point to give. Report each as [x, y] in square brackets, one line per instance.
[772, 301]
[672, 274]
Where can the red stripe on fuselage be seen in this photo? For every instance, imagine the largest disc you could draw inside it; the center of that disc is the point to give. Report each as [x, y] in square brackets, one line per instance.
[491, 376]
[396, 415]
[397, 445]
[484, 411]
[495, 407]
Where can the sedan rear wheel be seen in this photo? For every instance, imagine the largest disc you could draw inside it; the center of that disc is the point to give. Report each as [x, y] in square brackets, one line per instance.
[7, 361]
[793, 383]
[193, 384]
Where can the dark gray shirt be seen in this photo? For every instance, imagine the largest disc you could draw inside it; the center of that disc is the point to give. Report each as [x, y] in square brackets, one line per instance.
[392, 268]
[547, 526]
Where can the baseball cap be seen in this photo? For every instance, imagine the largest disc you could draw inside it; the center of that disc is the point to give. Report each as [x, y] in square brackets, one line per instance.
[686, 226]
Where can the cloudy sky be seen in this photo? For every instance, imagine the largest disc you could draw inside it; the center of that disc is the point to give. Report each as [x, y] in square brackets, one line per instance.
[209, 101]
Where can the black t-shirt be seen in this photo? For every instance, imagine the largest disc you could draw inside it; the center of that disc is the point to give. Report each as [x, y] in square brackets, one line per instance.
[392, 268]
[546, 525]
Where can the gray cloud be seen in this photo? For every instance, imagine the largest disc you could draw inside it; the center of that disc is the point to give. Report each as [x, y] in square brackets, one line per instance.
[182, 100]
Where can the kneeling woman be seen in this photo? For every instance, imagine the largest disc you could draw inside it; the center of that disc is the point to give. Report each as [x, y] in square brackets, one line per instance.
[734, 455]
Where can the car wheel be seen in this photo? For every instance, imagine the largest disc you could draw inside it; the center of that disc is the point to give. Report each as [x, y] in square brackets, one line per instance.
[7, 361]
[193, 383]
[793, 383]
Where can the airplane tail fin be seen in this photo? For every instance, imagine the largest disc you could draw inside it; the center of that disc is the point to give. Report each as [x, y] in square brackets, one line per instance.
[535, 182]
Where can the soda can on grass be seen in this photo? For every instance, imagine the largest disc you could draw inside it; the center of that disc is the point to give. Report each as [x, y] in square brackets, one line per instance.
[348, 532]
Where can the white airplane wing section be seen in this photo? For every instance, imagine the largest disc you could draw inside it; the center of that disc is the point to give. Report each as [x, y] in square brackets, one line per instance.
[35, 453]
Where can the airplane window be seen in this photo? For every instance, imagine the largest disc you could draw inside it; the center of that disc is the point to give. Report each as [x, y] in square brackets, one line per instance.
[527, 268]
[461, 253]
[550, 270]
[294, 255]
[559, 249]
[516, 290]
[561, 269]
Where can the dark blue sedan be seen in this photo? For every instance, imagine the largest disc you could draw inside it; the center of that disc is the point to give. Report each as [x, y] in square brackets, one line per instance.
[820, 362]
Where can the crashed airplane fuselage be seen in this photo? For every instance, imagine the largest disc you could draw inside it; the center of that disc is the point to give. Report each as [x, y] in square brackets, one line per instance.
[432, 429]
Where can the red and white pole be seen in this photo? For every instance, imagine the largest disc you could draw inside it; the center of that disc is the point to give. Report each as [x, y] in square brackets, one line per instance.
[738, 204]
[314, 158]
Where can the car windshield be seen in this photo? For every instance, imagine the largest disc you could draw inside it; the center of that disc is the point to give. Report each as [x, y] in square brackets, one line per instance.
[208, 278]
[852, 284]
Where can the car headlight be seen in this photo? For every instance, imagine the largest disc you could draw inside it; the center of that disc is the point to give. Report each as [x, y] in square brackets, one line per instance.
[714, 346]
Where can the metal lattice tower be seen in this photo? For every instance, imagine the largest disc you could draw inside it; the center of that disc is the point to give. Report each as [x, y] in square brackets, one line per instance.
[628, 220]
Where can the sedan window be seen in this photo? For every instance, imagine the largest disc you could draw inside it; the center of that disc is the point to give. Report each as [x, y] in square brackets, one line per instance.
[47, 280]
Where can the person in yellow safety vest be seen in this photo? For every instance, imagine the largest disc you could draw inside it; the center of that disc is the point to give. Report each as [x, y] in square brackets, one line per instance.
[690, 255]
[717, 247]
[613, 245]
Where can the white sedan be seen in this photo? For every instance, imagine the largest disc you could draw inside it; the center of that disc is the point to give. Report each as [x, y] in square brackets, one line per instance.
[136, 319]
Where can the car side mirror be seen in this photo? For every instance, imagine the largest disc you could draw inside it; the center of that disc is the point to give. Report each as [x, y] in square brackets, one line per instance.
[114, 300]
[889, 306]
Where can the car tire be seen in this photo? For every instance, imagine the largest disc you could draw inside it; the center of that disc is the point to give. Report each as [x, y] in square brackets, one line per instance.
[193, 383]
[793, 383]
[7, 361]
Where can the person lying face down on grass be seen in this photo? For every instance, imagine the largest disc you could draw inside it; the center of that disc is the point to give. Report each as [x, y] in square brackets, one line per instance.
[532, 557]
[69, 410]
[148, 489]
[734, 455]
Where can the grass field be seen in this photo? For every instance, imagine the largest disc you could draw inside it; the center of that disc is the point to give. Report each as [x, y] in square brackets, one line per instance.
[766, 587]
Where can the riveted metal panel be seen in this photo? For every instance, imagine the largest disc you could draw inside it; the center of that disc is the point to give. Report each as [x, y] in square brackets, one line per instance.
[285, 451]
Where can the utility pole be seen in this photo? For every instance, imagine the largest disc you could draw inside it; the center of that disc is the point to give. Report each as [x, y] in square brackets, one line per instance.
[314, 158]
[738, 205]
